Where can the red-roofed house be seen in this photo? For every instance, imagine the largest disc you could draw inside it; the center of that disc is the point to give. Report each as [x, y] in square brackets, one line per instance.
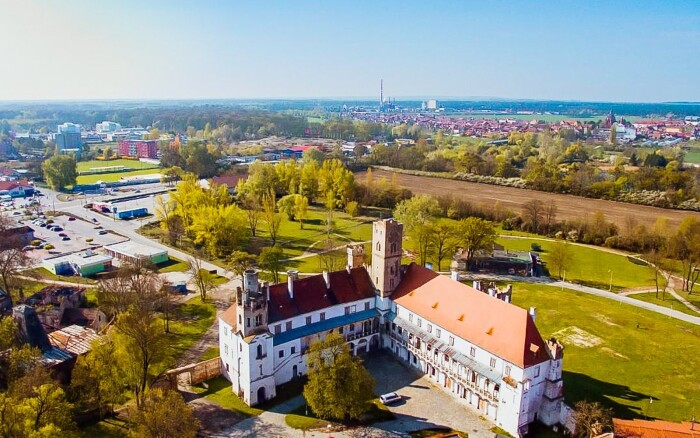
[479, 348]
[654, 429]
[16, 189]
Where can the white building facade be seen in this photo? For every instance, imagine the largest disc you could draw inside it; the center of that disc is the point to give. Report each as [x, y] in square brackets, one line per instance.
[485, 352]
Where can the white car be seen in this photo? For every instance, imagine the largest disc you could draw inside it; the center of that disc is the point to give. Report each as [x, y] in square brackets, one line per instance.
[389, 398]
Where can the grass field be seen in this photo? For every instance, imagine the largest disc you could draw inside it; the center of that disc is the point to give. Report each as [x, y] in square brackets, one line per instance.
[590, 266]
[639, 354]
[130, 164]
[192, 319]
[669, 302]
[112, 177]
[692, 156]
[172, 265]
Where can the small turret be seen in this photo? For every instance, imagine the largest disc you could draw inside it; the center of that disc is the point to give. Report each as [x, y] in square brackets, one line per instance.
[251, 305]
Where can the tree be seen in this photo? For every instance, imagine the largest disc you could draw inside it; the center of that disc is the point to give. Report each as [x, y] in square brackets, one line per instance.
[239, 262]
[271, 260]
[43, 412]
[164, 414]
[203, 279]
[251, 204]
[96, 383]
[331, 257]
[560, 257]
[475, 234]
[301, 209]
[12, 258]
[533, 214]
[286, 206]
[418, 210]
[591, 419]
[60, 171]
[339, 386]
[444, 239]
[272, 218]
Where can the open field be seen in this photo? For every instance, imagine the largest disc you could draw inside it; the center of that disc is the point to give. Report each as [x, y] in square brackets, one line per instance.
[112, 177]
[130, 164]
[640, 354]
[568, 207]
[670, 302]
[590, 266]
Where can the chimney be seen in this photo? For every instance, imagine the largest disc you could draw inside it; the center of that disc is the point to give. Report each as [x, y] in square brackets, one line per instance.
[533, 313]
[454, 275]
[327, 279]
[290, 284]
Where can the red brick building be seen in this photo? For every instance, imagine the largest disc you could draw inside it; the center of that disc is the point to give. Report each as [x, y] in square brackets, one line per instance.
[139, 148]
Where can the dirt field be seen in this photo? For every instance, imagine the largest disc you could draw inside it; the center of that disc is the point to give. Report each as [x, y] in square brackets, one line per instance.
[568, 206]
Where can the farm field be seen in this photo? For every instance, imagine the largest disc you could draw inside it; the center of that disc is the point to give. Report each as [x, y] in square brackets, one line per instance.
[618, 354]
[568, 207]
[591, 266]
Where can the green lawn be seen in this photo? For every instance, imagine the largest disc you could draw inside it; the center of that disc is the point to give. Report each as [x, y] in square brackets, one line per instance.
[641, 354]
[192, 319]
[111, 177]
[210, 353]
[129, 164]
[219, 391]
[172, 265]
[693, 298]
[590, 266]
[669, 302]
[692, 156]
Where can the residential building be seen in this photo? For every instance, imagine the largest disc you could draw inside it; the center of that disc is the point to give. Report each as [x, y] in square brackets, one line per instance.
[16, 189]
[133, 252]
[139, 148]
[484, 351]
[16, 236]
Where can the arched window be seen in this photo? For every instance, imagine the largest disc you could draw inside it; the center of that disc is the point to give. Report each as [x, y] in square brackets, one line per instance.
[379, 246]
[260, 351]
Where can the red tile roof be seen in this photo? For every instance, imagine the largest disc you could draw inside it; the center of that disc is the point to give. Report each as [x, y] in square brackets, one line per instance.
[502, 329]
[230, 181]
[229, 317]
[655, 429]
[311, 294]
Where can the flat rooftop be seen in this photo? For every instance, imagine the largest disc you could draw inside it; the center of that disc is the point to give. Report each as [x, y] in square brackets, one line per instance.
[83, 258]
[134, 249]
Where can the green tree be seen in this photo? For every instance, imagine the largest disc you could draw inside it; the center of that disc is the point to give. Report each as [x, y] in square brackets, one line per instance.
[272, 218]
[95, 381]
[286, 206]
[43, 412]
[475, 234]
[444, 239]
[60, 171]
[239, 262]
[418, 210]
[164, 414]
[271, 260]
[301, 209]
[560, 257]
[339, 386]
[203, 279]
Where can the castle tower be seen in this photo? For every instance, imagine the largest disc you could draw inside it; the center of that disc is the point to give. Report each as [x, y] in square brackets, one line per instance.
[251, 305]
[386, 255]
[553, 397]
[356, 255]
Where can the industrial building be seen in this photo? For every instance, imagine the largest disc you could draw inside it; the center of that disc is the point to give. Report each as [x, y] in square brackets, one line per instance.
[132, 252]
[80, 263]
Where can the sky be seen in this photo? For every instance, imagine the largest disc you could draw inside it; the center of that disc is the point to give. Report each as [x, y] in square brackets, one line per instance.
[613, 51]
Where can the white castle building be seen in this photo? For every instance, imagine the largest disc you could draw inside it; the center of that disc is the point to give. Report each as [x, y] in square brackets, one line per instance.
[484, 351]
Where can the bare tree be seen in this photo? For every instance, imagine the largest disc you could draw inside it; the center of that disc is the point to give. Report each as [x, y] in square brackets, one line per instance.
[251, 205]
[331, 256]
[591, 419]
[134, 286]
[550, 216]
[533, 214]
[272, 218]
[203, 279]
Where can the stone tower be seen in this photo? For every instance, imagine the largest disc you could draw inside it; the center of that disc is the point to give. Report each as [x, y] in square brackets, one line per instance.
[386, 255]
[550, 408]
[356, 255]
[251, 305]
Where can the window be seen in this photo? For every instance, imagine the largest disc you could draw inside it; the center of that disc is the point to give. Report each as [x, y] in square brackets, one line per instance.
[537, 371]
[340, 330]
[420, 322]
[379, 246]
[240, 319]
[260, 352]
[225, 350]
[352, 327]
[367, 306]
[278, 329]
[410, 317]
[438, 332]
[507, 372]
[472, 351]
[293, 350]
[281, 353]
[258, 320]
[226, 367]
[452, 340]
[430, 328]
[322, 317]
[493, 362]
[240, 347]
[288, 326]
[247, 322]
[347, 310]
[526, 385]
[308, 320]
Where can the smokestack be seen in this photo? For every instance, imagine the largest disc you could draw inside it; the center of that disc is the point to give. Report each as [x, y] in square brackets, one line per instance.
[327, 279]
[533, 313]
[290, 284]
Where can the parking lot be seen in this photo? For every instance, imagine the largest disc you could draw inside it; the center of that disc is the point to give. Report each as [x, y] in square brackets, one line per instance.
[424, 405]
[81, 234]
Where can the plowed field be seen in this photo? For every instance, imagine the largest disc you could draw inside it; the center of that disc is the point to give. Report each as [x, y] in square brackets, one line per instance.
[568, 207]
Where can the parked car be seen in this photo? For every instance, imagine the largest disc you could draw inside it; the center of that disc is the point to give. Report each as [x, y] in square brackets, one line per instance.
[102, 232]
[65, 238]
[71, 218]
[42, 224]
[17, 213]
[389, 398]
[57, 228]
[62, 234]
